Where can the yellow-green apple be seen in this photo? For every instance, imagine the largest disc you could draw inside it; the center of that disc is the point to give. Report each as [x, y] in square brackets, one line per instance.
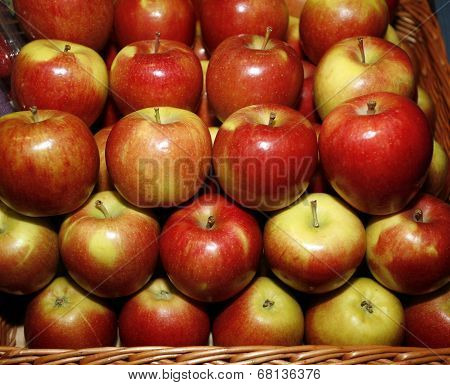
[136, 20]
[57, 75]
[79, 21]
[204, 110]
[323, 23]
[295, 7]
[63, 316]
[159, 315]
[376, 150]
[109, 247]
[50, 162]
[249, 69]
[210, 249]
[264, 314]
[391, 35]
[427, 320]
[409, 252]
[293, 36]
[104, 182]
[438, 172]
[213, 131]
[221, 19]
[315, 245]
[155, 73]
[265, 155]
[427, 106]
[392, 6]
[360, 66]
[360, 313]
[28, 252]
[158, 156]
[199, 48]
[306, 104]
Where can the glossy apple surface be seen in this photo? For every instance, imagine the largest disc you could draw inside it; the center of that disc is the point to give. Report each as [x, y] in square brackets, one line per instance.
[316, 244]
[28, 252]
[211, 249]
[323, 23]
[344, 73]
[222, 19]
[375, 150]
[63, 316]
[109, 247]
[265, 155]
[158, 159]
[136, 20]
[295, 7]
[79, 21]
[155, 73]
[58, 75]
[264, 314]
[409, 252]
[52, 167]
[360, 313]
[160, 315]
[104, 182]
[204, 110]
[306, 104]
[427, 320]
[436, 181]
[246, 70]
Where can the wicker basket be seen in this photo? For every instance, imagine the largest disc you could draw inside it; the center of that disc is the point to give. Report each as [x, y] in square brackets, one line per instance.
[420, 29]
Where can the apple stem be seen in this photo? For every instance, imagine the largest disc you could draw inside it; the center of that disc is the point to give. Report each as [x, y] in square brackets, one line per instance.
[272, 118]
[157, 115]
[268, 303]
[367, 305]
[211, 222]
[371, 107]
[67, 48]
[267, 37]
[60, 301]
[314, 214]
[418, 215]
[34, 114]
[157, 42]
[361, 49]
[99, 205]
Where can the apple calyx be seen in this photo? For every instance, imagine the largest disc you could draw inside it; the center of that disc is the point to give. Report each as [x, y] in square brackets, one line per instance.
[272, 118]
[157, 115]
[418, 216]
[266, 38]
[367, 305]
[361, 49]
[210, 223]
[61, 301]
[164, 294]
[100, 206]
[34, 114]
[371, 106]
[67, 48]
[157, 42]
[316, 223]
[268, 304]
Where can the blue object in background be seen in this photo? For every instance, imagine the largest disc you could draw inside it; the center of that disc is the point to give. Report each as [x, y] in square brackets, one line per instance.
[443, 16]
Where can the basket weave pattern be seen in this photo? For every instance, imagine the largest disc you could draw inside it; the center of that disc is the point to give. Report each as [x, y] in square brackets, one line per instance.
[420, 29]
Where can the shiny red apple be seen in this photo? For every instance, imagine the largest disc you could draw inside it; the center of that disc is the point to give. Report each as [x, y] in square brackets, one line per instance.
[306, 104]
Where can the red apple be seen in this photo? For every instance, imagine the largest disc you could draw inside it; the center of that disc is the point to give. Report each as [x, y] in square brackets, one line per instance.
[63, 316]
[53, 165]
[427, 320]
[249, 69]
[295, 7]
[108, 247]
[156, 73]
[158, 157]
[315, 245]
[159, 315]
[79, 21]
[409, 251]
[204, 110]
[221, 19]
[306, 105]
[210, 249]
[360, 66]
[265, 155]
[136, 20]
[360, 313]
[7, 55]
[392, 6]
[57, 75]
[104, 182]
[199, 48]
[323, 23]
[438, 172]
[28, 252]
[264, 314]
[375, 150]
